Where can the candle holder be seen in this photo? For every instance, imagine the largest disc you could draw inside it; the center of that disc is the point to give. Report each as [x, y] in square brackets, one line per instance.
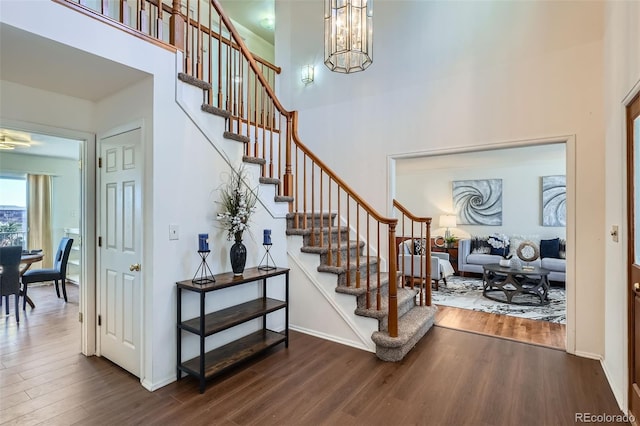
[203, 274]
[266, 258]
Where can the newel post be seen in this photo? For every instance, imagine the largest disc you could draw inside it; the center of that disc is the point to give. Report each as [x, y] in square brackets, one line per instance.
[393, 282]
[176, 26]
[288, 175]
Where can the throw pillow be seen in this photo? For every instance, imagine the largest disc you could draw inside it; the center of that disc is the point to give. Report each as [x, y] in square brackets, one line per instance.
[419, 247]
[550, 248]
[563, 249]
[500, 251]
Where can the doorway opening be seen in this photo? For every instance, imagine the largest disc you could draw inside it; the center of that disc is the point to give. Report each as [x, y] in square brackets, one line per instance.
[427, 184]
[48, 197]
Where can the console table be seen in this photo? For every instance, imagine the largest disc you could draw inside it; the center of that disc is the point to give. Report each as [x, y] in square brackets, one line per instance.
[515, 284]
[212, 363]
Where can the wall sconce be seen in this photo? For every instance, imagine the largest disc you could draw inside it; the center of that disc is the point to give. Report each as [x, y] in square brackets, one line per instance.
[306, 74]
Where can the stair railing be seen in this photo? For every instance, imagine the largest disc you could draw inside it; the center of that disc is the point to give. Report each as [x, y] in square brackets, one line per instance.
[412, 229]
[244, 85]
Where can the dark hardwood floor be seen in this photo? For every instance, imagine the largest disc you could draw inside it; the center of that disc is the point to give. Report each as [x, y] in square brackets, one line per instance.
[450, 377]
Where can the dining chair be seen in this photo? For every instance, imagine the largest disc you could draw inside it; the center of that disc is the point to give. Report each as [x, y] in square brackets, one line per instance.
[10, 277]
[55, 274]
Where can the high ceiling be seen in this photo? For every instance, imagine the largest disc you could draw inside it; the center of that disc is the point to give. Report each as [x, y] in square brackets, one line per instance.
[250, 14]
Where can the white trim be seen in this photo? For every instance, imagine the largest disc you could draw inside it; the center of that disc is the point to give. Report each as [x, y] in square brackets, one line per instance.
[87, 300]
[589, 355]
[329, 337]
[570, 142]
[619, 398]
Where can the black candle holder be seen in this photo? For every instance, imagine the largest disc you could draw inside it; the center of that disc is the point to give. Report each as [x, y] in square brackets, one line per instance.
[266, 258]
[203, 272]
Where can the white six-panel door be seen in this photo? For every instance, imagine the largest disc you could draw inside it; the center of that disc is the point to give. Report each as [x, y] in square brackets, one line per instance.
[120, 274]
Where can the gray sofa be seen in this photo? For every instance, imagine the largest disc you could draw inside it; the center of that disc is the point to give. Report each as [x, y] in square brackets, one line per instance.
[472, 262]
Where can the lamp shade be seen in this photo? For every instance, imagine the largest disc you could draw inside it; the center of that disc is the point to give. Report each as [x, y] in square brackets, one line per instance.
[448, 221]
[348, 35]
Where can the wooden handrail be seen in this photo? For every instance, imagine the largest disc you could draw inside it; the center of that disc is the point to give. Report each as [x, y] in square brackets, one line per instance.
[410, 215]
[334, 176]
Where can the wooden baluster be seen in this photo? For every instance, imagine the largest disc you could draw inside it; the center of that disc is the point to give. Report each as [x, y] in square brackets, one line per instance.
[349, 239]
[403, 276]
[220, 97]
[393, 287]
[177, 32]
[229, 104]
[321, 198]
[427, 260]
[199, 46]
[143, 21]
[428, 255]
[263, 95]
[210, 42]
[330, 222]
[358, 276]
[304, 191]
[272, 108]
[313, 205]
[378, 294]
[255, 108]
[245, 115]
[124, 13]
[288, 176]
[296, 219]
[339, 258]
[368, 262]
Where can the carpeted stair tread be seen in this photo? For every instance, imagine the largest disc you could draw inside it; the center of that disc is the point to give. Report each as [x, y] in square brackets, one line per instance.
[216, 111]
[334, 247]
[310, 215]
[354, 290]
[283, 199]
[406, 300]
[253, 160]
[308, 231]
[411, 327]
[194, 81]
[269, 181]
[342, 269]
[236, 137]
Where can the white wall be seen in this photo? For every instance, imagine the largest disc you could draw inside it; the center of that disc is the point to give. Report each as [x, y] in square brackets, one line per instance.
[65, 188]
[182, 170]
[462, 75]
[622, 80]
[424, 186]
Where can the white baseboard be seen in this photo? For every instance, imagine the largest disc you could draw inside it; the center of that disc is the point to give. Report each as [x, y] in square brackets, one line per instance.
[151, 387]
[589, 355]
[353, 344]
[619, 396]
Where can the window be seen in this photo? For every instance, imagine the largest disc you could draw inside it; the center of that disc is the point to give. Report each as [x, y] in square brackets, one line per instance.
[13, 211]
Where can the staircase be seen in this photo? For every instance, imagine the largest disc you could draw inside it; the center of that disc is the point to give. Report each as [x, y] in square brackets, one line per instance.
[413, 320]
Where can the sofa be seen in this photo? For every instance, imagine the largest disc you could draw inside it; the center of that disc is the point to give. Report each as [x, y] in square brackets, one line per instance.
[411, 258]
[471, 261]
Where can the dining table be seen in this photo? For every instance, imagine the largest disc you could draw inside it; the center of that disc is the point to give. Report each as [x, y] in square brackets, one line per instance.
[26, 260]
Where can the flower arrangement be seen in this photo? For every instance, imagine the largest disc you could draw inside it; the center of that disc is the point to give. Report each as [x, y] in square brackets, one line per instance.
[238, 204]
[500, 242]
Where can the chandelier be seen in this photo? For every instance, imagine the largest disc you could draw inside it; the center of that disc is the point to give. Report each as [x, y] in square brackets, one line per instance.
[348, 35]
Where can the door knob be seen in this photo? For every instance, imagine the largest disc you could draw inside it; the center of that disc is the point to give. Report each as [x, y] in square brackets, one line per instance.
[134, 267]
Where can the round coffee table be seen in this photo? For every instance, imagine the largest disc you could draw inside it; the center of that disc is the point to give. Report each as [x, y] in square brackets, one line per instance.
[516, 284]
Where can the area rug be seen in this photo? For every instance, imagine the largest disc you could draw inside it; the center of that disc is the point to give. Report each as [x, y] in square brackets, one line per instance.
[466, 293]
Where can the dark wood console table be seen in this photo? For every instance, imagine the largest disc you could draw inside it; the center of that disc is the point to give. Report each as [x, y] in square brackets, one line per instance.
[209, 364]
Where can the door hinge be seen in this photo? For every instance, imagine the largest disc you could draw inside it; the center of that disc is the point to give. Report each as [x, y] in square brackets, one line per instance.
[99, 241]
[99, 162]
[79, 316]
[99, 320]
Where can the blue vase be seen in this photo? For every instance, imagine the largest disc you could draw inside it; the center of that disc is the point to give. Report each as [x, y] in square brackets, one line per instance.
[238, 255]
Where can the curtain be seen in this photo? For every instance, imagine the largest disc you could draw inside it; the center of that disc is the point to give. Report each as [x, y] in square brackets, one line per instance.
[39, 217]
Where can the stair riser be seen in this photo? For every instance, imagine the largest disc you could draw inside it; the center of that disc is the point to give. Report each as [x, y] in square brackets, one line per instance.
[342, 254]
[403, 308]
[326, 237]
[373, 270]
[311, 220]
[373, 291]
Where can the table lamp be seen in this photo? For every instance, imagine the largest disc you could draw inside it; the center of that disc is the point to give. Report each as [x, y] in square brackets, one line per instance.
[448, 221]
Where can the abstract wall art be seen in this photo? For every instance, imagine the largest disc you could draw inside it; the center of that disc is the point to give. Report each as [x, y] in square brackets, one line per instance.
[554, 200]
[478, 202]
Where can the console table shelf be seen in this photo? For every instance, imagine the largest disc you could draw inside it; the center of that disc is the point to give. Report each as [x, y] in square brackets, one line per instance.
[209, 364]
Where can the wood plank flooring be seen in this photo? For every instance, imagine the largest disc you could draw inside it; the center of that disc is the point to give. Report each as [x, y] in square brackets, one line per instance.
[451, 377]
[542, 333]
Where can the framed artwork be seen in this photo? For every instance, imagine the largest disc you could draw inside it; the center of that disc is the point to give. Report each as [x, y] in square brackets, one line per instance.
[554, 200]
[478, 202]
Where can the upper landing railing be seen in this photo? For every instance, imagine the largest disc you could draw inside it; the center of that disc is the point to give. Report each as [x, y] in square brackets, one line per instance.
[244, 85]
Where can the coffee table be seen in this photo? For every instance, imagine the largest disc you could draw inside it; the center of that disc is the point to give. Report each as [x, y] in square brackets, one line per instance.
[516, 284]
